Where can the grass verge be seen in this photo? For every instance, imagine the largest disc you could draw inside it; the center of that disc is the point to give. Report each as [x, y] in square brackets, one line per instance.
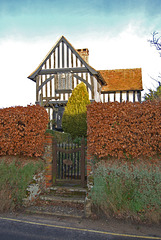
[14, 179]
[128, 191]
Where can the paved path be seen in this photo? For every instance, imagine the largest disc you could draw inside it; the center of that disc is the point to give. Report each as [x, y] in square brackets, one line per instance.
[18, 229]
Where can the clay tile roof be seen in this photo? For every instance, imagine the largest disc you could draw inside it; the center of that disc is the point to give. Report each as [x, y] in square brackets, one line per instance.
[122, 79]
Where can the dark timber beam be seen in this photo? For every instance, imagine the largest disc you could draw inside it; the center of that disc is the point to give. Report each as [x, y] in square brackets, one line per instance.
[63, 70]
[62, 54]
[63, 40]
[67, 56]
[120, 96]
[127, 96]
[93, 71]
[114, 96]
[58, 56]
[139, 95]
[63, 91]
[133, 96]
[50, 98]
[47, 80]
[83, 80]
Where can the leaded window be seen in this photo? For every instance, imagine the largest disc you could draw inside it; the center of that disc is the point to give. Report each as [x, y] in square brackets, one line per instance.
[64, 81]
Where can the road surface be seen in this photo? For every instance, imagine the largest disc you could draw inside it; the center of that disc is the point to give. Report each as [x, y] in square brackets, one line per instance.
[19, 229]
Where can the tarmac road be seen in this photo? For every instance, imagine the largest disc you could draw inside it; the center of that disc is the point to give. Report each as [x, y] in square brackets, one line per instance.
[20, 229]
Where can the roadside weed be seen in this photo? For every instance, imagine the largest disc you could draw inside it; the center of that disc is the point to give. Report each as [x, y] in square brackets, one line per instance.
[128, 190]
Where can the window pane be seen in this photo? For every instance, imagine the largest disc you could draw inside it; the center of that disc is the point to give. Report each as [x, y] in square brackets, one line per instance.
[64, 81]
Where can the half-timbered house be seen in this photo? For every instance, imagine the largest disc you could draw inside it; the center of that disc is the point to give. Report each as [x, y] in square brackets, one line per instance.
[64, 68]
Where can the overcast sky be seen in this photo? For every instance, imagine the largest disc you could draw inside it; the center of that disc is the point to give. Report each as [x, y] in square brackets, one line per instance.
[114, 31]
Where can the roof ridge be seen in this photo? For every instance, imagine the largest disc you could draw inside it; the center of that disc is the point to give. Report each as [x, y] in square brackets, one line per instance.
[45, 58]
[35, 72]
[117, 69]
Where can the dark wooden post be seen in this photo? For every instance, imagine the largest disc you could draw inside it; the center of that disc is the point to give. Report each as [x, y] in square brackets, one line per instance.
[139, 96]
[120, 96]
[133, 96]
[127, 96]
[54, 143]
[83, 162]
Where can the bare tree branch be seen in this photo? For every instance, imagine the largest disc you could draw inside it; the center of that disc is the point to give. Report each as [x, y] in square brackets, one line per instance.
[156, 41]
[159, 82]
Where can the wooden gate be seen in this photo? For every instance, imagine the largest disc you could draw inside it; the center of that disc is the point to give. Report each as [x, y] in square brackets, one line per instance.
[69, 162]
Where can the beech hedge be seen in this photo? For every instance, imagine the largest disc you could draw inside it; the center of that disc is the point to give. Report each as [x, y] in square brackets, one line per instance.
[125, 129]
[22, 130]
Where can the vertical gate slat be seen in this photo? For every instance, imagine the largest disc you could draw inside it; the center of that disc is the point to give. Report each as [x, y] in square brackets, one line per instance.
[62, 172]
[59, 163]
[78, 162]
[75, 162]
[83, 162]
[68, 159]
[72, 162]
[75, 153]
[65, 164]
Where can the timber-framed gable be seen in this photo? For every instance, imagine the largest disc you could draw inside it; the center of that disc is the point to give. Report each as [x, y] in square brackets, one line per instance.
[64, 67]
[59, 73]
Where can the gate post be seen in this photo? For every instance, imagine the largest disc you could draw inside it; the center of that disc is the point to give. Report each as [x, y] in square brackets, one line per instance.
[47, 156]
[83, 162]
[54, 143]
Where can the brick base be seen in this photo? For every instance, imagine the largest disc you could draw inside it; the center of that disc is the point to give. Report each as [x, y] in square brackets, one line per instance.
[89, 165]
[48, 160]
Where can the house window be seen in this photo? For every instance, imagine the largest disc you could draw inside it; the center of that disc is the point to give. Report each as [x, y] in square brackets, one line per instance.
[64, 81]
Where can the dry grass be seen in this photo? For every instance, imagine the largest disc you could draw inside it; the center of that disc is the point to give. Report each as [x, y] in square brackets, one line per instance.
[6, 203]
[19, 160]
[15, 176]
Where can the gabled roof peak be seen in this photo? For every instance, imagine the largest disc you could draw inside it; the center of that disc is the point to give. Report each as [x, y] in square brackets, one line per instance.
[73, 50]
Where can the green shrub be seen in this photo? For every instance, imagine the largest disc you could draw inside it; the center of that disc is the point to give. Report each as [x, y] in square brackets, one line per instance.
[14, 180]
[60, 136]
[128, 190]
[153, 94]
[74, 119]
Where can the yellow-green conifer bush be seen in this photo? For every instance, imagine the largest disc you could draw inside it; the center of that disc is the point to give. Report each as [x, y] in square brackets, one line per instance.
[75, 115]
